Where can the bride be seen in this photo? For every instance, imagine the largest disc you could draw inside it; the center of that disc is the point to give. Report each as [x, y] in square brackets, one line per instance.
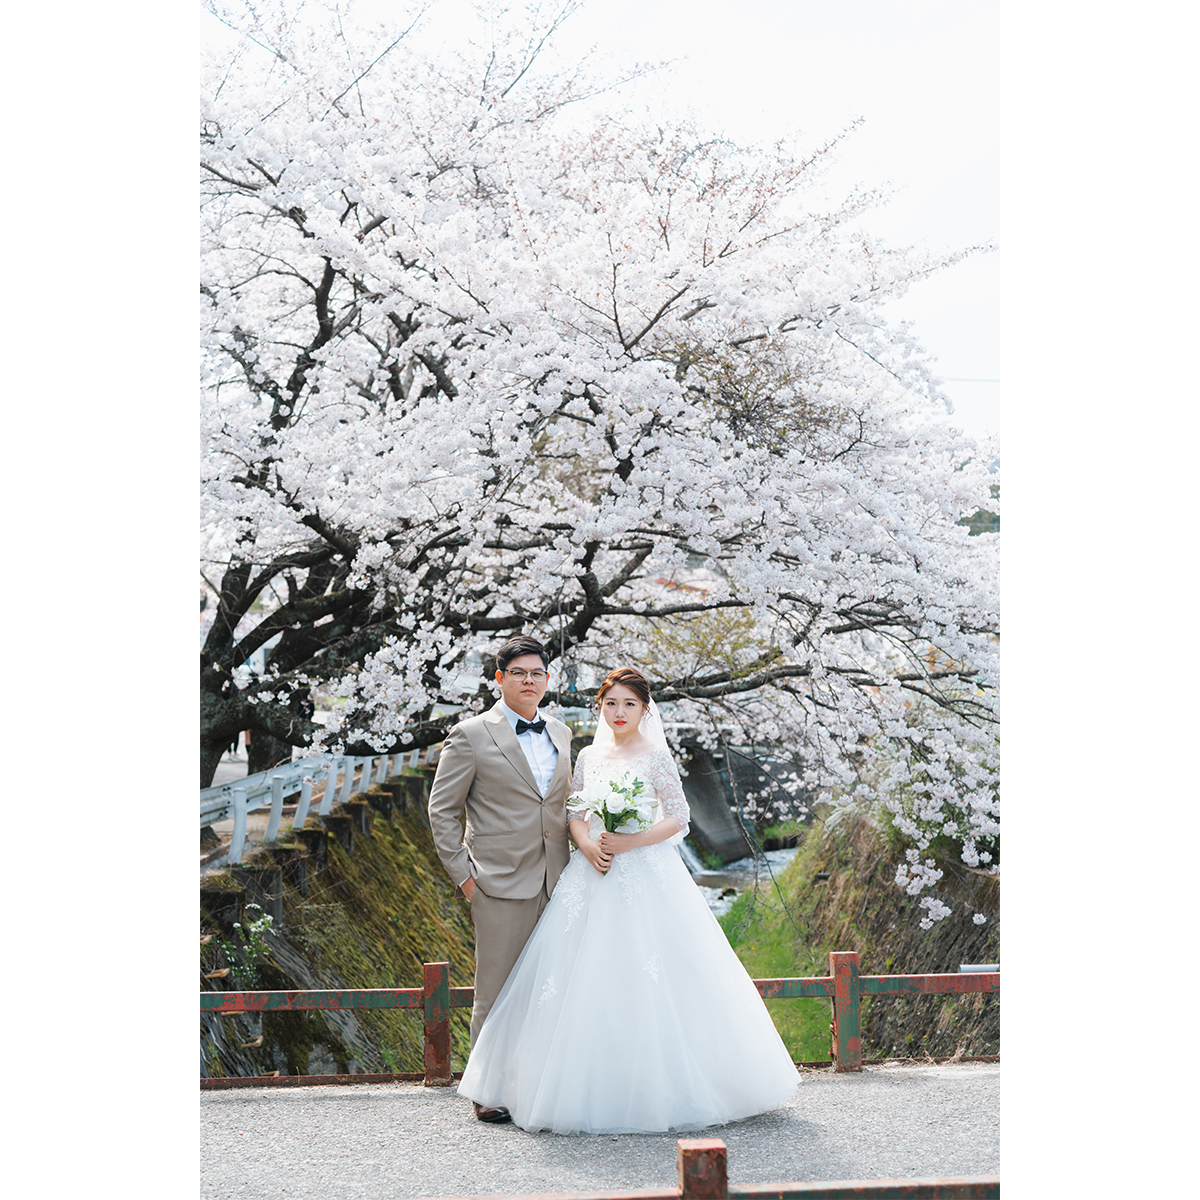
[627, 1011]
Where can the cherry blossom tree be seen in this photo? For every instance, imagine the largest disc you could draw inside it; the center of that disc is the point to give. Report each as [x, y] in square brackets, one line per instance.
[484, 353]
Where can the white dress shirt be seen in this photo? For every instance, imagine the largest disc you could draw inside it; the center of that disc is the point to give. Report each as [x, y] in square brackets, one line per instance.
[539, 749]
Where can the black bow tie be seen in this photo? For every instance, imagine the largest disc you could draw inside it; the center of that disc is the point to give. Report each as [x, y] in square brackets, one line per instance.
[538, 726]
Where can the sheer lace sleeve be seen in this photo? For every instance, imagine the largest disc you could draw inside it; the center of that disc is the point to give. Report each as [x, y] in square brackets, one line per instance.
[577, 785]
[663, 775]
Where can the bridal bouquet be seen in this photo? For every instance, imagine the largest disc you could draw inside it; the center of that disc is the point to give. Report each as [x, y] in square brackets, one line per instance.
[618, 802]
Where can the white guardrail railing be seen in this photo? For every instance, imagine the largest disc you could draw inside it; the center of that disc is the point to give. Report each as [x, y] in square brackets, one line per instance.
[239, 797]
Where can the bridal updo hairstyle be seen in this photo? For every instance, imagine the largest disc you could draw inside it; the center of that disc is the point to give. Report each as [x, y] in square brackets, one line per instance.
[629, 677]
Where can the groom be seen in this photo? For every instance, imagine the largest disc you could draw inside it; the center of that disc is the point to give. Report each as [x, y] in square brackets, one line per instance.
[510, 771]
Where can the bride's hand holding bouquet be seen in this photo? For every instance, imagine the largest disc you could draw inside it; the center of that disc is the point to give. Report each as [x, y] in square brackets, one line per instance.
[622, 806]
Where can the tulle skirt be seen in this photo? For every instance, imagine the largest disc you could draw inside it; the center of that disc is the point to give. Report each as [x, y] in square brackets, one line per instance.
[628, 1012]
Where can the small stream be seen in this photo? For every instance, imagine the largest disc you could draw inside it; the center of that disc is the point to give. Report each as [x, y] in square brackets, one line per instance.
[720, 888]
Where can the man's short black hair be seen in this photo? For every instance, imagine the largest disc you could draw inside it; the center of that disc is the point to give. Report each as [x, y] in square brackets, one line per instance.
[515, 647]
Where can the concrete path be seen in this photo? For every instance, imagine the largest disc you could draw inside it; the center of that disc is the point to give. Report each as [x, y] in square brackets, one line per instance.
[382, 1142]
[231, 767]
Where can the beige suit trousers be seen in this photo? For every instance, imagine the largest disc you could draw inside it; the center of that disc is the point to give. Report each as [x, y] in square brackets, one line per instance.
[503, 927]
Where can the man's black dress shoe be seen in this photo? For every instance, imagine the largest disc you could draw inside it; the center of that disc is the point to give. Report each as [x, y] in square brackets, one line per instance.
[494, 1116]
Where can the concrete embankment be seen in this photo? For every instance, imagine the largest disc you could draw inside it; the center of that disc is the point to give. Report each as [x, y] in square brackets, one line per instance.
[358, 899]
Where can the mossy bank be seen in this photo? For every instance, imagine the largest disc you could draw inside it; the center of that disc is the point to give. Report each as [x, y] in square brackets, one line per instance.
[358, 900]
[839, 893]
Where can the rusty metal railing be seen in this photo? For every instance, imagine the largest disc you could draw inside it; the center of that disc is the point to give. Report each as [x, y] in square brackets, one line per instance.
[844, 986]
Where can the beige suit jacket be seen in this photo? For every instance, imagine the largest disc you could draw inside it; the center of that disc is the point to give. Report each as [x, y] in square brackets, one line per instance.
[514, 838]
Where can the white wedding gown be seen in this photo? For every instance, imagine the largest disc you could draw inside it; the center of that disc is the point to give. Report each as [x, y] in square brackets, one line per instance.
[627, 1011]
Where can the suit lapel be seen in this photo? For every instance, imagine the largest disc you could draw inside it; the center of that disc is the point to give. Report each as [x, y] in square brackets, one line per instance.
[506, 742]
[561, 736]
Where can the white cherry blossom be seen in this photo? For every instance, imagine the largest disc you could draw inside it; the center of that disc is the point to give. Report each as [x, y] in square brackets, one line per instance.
[472, 365]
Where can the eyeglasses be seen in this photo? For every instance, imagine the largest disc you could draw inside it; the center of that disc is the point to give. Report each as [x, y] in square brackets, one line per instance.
[520, 676]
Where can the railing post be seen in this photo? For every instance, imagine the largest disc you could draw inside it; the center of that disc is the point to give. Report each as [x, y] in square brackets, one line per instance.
[330, 788]
[276, 808]
[348, 780]
[238, 844]
[703, 1169]
[847, 1034]
[302, 808]
[437, 1024]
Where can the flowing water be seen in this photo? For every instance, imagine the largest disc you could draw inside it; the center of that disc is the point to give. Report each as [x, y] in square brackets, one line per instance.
[720, 888]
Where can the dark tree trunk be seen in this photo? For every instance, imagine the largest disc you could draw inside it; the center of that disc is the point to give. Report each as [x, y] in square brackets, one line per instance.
[220, 722]
[266, 752]
[210, 758]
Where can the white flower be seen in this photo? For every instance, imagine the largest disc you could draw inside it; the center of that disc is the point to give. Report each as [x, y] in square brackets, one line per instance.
[645, 810]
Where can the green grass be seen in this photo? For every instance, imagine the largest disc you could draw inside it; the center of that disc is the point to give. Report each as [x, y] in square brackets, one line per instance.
[710, 862]
[769, 948]
[782, 830]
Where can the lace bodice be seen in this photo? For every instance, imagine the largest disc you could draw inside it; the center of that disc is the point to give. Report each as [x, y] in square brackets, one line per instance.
[655, 767]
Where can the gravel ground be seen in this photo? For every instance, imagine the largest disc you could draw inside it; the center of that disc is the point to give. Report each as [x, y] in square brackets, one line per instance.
[386, 1141]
